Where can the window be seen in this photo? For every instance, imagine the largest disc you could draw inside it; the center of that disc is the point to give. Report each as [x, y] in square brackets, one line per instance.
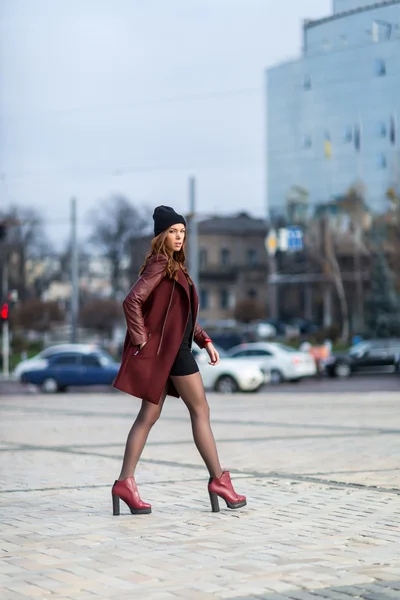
[326, 44]
[285, 348]
[382, 160]
[259, 353]
[252, 256]
[90, 361]
[64, 359]
[380, 67]
[252, 294]
[247, 353]
[382, 129]
[394, 345]
[381, 30]
[204, 299]
[307, 141]
[224, 299]
[307, 82]
[348, 134]
[225, 256]
[344, 40]
[241, 353]
[203, 258]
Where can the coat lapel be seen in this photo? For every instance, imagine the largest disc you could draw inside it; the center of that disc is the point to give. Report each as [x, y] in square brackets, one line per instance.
[183, 282]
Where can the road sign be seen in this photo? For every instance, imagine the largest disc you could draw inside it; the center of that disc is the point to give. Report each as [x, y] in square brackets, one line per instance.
[283, 239]
[295, 239]
[271, 243]
[288, 239]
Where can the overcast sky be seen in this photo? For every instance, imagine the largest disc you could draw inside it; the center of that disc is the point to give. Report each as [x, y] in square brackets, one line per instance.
[133, 96]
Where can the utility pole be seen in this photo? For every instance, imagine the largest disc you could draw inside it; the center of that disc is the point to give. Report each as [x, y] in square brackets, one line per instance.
[357, 240]
[273, 287]
[5, 326]
[74, 273]
[327, 290]
[193, 234]
[271, 246]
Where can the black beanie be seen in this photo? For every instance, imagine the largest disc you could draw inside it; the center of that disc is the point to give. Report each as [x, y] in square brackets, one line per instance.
[164, 217]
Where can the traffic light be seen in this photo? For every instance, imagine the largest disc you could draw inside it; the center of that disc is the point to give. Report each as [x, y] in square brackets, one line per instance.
[4, 312]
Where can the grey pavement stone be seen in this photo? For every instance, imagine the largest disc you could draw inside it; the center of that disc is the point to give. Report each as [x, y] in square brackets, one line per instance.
[320, 473]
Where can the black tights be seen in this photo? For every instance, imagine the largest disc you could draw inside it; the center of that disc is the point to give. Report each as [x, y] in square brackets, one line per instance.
[191, 390]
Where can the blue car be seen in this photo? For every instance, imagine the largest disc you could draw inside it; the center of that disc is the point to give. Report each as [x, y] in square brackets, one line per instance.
[59, 371]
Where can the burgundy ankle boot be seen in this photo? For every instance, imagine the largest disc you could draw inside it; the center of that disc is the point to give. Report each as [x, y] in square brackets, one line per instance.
[127, 491]
[223, 488]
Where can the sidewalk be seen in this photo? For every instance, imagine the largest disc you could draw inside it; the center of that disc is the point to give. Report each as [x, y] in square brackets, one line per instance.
[321, 475]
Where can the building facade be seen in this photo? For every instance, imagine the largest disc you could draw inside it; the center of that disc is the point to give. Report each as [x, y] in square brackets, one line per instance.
[333, 115]
[233, 265]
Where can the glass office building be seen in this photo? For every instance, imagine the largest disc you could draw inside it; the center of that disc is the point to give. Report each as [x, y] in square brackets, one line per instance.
[334, 114]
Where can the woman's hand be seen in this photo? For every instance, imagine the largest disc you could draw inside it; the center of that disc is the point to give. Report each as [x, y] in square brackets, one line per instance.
[213, 354]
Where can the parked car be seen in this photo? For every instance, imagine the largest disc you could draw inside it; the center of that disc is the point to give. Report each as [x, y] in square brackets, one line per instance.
[226, 339]
[259, 330]
[29, 363]
[305, 327]
[230, 375]
[368, 356]
[397, 363]
[64, 369]
[284, 329]
[283, 362]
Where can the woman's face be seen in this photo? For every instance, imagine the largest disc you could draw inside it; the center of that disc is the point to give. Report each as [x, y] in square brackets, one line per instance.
[175, 237]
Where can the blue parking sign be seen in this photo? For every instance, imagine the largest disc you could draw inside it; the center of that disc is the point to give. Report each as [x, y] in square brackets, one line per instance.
[295, 239]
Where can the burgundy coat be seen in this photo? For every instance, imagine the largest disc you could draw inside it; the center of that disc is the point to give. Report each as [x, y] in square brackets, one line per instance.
[156, 312]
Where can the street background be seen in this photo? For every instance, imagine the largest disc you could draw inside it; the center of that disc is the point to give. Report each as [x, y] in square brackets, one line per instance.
[273, 127]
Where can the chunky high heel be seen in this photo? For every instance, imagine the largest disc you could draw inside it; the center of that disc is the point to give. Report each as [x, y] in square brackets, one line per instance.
[223, 488]
[115, 501]
[127, 492]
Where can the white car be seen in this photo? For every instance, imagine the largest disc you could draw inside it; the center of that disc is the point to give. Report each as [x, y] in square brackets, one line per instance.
[284, 363]
[230, 375]
[38, 362]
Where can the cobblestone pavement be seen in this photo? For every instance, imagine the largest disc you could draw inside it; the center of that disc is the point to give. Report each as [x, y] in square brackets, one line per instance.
[321, 473]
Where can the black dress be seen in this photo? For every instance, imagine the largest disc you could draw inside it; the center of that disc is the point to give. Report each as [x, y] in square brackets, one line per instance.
[185, 363]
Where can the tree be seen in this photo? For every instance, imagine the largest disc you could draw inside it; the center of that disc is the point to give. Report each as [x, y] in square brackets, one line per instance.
[35, 315]
[25, 239]
[101, 315]
[249, 310]
[26, 229]
[321, 250]
[115, 223]
[392, 230]
[382, 305]
[342, 223]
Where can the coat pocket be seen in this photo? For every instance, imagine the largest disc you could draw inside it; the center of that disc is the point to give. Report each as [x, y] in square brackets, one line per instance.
[145, 349]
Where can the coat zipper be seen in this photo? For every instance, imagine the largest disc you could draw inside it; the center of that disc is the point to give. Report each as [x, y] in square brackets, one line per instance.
[165, 320]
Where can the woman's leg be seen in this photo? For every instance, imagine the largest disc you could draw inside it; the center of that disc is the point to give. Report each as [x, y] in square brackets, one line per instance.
[147, 417]
[191, 390]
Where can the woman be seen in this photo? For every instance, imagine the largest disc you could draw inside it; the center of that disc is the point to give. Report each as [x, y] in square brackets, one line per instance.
[160, 312]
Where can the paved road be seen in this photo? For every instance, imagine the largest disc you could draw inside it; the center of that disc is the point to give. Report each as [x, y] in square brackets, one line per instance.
[387, 382]
[321, 473]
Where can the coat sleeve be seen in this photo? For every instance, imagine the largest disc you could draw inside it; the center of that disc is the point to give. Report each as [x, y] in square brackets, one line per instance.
[200, 335]
[138, 294]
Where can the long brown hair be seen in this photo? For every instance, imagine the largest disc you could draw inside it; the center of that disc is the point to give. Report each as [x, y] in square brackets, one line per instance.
[176, 260]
